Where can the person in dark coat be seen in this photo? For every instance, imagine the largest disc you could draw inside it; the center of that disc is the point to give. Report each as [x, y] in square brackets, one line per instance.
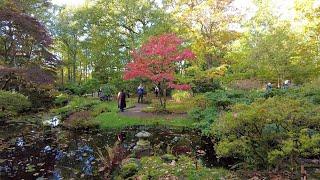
[156, 91]
[121, 100]
[140, 93]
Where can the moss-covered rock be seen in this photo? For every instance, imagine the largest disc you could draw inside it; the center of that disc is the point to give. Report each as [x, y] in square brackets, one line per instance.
[168, 158]
[129, 167]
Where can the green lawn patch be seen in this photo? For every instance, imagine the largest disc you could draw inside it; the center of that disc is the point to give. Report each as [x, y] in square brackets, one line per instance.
[113, 119]
[172, 107]
[106, 114]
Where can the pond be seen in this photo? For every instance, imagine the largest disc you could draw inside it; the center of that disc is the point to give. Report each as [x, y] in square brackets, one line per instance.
[32, 151]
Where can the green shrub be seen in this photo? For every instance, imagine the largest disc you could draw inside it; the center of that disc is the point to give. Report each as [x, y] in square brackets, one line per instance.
[40, 97]
[108, 89]
[99, 109]
[205, 85]
[2, 115]
[168, 158]
[12, 102]
[76, 104]
[62, 99]
[310, 91]
[90, 86]
[74, 88]
[206, 118]
[200, 101]
[197, 114]
[129, 169]
[224, 99]
[80, 120]
[210, 104]
[268, 133]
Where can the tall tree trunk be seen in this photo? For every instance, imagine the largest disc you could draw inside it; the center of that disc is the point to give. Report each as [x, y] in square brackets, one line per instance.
[69, 74]
[5, 83]
[62, 77]
[74, 67]
[80, 67]
[209, 60]
[165, 98]
[86, 72]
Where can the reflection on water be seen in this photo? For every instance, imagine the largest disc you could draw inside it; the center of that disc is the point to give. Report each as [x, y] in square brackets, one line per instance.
[37, 152]
[84, 155]
[53, 121]
[47, 149]
[56, 175]
[59, 155]
[20, 142]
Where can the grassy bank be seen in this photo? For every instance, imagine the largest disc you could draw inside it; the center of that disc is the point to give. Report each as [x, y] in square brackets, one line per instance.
[113, 119]
[90, 112]
[182, 107]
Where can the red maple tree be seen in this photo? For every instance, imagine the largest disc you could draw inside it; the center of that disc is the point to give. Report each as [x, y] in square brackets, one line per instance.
[157, 60]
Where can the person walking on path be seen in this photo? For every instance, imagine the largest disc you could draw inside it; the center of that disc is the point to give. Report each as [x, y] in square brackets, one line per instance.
[156, 91]
[140, 93]
[121, 100]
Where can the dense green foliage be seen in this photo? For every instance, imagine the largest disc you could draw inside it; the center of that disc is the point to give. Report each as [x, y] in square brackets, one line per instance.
[268, 132]
[52, 55]
[62, 99]
[76, 104]
[213, 103]
[12, 103]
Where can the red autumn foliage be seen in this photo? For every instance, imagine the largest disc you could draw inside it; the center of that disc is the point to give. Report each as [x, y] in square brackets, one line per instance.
[157, 60]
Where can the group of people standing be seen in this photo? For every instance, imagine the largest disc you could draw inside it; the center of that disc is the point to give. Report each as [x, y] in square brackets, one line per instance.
[140, 92]
[285, 85]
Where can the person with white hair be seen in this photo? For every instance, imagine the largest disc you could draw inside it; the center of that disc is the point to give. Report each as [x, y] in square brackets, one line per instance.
[286, 84]
[269, 87]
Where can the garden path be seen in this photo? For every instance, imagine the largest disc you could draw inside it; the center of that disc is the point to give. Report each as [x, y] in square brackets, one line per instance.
[136, 111]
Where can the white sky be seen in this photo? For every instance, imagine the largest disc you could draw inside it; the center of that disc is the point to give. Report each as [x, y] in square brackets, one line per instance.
[68, 2]
[282, 7]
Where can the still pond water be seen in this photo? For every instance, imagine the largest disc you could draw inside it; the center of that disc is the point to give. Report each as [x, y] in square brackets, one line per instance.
[33, 151]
